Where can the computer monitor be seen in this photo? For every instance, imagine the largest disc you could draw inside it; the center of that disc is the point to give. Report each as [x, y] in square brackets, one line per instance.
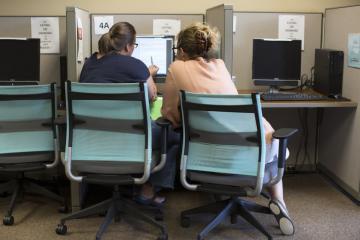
[20, 60]
[155, 50]
[276, 62]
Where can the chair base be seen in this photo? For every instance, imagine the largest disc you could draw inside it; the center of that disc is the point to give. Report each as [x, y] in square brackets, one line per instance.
[19, 187]
[227, 208]
[113, 207]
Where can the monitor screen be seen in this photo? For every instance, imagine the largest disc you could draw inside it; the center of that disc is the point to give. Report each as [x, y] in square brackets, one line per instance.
[20, 60]
[276, 62]
[155, 50]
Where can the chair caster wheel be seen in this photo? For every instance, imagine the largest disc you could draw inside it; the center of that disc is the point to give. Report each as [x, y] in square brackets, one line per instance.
[8, 220]
[185, 222]
[233, 219]
[163, 237]
[61, 229]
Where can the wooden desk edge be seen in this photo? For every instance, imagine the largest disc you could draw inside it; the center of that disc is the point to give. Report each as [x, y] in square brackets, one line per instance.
[304, 104]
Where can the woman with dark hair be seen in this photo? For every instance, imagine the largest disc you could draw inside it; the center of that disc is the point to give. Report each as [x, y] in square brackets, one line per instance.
[197, 70]
[114, 64]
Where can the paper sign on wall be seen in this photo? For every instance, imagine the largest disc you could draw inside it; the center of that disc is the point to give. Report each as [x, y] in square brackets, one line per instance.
[354, 50]
[47, 29]
[292, 27]
[102, 24]
[166, 27]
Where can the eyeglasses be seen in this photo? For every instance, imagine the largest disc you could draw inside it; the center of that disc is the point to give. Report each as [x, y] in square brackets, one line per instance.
[136, 45]
[175, 50]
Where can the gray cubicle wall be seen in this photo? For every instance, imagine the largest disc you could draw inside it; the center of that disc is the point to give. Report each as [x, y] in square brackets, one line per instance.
[221, 17]
[20, 26]
[339, 150]
[250, 25]
[143, 23]
[75, 64]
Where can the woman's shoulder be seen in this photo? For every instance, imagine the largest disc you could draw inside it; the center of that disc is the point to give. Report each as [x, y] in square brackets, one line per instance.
[177, 64]
[217, 61]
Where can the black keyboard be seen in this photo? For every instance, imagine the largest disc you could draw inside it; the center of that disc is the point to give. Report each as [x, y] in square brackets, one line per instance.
[292, 97]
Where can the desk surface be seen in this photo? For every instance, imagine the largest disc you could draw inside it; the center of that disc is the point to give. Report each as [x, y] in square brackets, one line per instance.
[297, 104]
[308, 104]
[332, 103]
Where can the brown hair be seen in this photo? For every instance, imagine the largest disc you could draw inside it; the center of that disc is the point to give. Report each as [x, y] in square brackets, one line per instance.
[198, 40]
[104, 44]
[121, 34]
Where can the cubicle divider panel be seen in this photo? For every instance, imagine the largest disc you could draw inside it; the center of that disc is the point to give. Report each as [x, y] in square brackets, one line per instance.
[221, 17]
[143, 23]
[78, 40]
[250, 25]
[341, 129]
[20, 27]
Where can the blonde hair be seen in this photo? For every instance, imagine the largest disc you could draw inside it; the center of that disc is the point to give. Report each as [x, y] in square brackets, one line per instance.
[198, 40]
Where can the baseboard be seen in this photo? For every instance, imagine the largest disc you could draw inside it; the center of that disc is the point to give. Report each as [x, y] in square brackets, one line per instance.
[340, 185]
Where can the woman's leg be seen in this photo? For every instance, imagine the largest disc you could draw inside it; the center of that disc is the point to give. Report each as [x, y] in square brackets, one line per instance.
[164, 178]
[276, 192]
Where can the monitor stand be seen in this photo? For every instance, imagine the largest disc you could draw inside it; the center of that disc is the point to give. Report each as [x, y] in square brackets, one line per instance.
[275, 89]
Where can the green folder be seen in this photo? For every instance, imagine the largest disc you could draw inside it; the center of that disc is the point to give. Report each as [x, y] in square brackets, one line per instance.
[155, 108]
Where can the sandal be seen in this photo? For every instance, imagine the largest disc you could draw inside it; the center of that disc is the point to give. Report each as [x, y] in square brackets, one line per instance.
[149, 201]
[282, 217]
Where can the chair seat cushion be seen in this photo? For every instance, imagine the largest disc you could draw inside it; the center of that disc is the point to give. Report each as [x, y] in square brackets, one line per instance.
[16, 158]
[232, 179]
[111, 167]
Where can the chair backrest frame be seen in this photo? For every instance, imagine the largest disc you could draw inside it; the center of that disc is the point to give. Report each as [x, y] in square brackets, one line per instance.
[254, 107]
[25, 93]
[141, 95]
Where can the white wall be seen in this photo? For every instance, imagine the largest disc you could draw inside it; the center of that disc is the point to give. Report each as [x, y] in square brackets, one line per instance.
[56, 7]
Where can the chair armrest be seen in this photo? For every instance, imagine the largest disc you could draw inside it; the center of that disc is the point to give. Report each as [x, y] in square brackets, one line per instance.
[164, 124]
[284, 133]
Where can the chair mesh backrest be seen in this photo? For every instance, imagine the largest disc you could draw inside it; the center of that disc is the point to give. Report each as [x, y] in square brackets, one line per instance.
[220, 140]
[108, 130]
[22, 128]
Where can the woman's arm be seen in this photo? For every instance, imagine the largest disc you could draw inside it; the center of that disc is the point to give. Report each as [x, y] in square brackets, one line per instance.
[269, 130]
[152, 89]
[153, 69]
[170, 107]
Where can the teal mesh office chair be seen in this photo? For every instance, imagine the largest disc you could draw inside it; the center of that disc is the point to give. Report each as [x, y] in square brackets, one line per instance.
[28, 138]
[108, 142]
[223, 152]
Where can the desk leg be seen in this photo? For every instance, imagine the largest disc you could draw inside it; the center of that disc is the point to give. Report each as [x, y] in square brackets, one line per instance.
[319, 119]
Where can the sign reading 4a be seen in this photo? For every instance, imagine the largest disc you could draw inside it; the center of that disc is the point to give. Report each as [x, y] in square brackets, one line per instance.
[102, 24]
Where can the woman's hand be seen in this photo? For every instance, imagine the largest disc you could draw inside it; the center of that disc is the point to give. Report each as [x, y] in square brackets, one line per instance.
[153, 69]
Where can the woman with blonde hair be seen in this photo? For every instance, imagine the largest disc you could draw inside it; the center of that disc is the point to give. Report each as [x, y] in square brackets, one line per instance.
[197, 70]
